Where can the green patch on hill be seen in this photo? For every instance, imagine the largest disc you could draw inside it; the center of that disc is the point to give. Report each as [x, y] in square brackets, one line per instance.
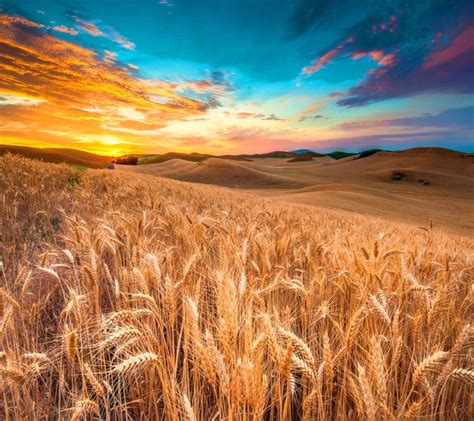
[340, 154]
[302, 157]
[156, 159]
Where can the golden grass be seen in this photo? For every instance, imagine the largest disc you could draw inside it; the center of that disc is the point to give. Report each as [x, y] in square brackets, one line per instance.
[127, 296]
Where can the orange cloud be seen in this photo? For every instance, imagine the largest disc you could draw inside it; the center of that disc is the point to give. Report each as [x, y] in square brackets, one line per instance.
[55, 92]
[89, 27]
[65, 30]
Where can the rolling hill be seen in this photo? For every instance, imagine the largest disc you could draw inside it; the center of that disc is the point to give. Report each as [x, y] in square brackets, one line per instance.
[57, 155]
[126, 293]
[218, 171]
[422, 185]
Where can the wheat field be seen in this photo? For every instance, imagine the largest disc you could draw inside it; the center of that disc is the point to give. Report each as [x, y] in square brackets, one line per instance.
[130, 297]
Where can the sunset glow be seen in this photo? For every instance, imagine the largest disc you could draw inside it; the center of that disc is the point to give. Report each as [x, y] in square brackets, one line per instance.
[113, 78]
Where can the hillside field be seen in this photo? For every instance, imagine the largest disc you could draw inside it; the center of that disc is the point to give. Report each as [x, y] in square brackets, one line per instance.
[127, 296]
[428, 187]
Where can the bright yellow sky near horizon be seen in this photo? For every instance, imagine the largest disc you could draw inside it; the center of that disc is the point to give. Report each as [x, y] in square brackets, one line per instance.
[81, 87]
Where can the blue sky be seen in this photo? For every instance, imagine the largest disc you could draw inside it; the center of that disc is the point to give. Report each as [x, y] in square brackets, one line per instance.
[237, 75]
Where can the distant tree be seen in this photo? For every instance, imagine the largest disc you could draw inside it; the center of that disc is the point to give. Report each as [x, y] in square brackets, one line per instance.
[127, 160]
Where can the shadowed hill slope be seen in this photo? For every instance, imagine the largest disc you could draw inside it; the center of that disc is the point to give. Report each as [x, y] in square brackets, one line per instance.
[220, 172]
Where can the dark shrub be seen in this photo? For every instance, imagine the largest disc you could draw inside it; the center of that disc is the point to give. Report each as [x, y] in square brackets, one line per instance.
[340, 154]
[369, 152]
[127, 160]
[398, 176]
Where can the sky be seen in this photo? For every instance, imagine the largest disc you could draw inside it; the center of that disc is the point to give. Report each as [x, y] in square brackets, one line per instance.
[117, 77]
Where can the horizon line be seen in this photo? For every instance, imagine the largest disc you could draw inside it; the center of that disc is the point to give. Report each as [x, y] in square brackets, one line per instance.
[234, 154]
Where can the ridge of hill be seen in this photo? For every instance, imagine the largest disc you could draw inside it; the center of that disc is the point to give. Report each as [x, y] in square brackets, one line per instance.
[58, 155]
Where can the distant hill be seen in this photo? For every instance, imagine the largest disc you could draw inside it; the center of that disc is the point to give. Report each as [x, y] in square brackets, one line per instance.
[157, 159]
[219, 171]
[274, 154]
[197, 157]
[58, 155]
[307, 152]
[305, 156]
[87, 159]
[341, 154]
[415, 186]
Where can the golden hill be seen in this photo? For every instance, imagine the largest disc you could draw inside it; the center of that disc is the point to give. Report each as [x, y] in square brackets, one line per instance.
[58, 155]
[129, 295]
[423, 186]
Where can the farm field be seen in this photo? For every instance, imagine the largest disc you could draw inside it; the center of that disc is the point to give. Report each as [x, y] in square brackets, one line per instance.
[126, 294]
[424, 186]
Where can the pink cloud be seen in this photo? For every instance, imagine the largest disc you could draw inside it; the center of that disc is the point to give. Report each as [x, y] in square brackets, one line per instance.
[447, 69]
[323, 60]
[376, 55]
[463, 43]
[390, 25]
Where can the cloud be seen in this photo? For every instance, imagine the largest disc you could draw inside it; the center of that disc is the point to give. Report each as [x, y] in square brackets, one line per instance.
[110, 33]
[214, 90]
[357, 143]
[273, 117]
[461, 46]
[110, 56]
[427, 48]
[18, 21]
[448, 69]
[323, 60]
[121, 40]
[460, 118]
[89, 27]
[77, 94]
[253, 115]
[39, 65]
[310, 117]
[18, 100]
[65, 30]
[313, 111]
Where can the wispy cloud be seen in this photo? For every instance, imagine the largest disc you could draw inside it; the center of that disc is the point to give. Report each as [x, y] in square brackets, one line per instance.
[311, 117]
[323, 60]
[65, 30]
[89, 27]
[93, 29]
[452, 118]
